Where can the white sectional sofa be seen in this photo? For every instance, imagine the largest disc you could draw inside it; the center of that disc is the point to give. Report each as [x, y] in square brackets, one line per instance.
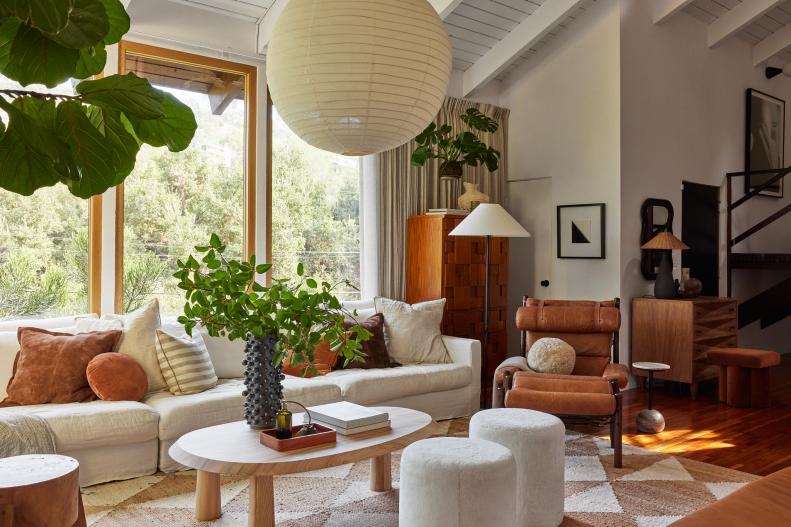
[121, 440]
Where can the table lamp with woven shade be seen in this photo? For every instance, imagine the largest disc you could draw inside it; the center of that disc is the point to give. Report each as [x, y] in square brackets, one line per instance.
[665, 287]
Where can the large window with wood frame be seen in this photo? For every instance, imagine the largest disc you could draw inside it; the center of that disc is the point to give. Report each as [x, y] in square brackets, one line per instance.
[172, 202]
[315, 211]
[45, 246]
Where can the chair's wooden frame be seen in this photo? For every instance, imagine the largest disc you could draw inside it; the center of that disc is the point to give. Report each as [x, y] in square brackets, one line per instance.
[614, 421]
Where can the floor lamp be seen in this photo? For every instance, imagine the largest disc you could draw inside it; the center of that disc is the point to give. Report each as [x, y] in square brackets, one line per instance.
[488, 220]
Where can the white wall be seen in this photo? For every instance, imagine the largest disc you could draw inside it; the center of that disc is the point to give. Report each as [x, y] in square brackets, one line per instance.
[565, 127]
[682, 119]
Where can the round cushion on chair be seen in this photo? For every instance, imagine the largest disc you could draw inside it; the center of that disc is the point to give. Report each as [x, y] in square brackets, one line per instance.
[116, 377]
[551, 355]
[457, 482]
[537, 442]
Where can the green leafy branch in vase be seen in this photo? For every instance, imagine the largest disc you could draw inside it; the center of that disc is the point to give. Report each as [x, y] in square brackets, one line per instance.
[224, 297]
[88, 141]
[456, 150]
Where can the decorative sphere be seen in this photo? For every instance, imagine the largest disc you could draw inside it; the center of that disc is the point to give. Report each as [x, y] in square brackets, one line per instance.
[650, 421]
[551, 355]
[357, 77]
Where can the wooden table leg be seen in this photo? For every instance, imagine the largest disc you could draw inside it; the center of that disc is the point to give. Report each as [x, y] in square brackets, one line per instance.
[207, 496]
[262, 502]
[381, 478]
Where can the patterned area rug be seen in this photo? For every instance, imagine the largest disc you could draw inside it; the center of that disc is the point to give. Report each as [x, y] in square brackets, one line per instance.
[652, 490]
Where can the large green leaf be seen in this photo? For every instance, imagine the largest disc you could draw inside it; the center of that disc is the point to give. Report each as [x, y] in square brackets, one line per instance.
[123, 144]
[175, 129]
[50, 16]
[128, 93]
[33, 120]
[35, 59]
[8, 29]
[87, 25]
[119, 21]
[2, 129]
[91, 61]
[90, 149]
[16, 8]
[23, 170]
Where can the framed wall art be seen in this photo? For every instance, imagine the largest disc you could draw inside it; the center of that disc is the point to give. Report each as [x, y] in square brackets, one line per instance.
[581, 231]
[765, 141]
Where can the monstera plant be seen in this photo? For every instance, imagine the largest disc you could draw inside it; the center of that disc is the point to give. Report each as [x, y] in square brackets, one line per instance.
[88, 141]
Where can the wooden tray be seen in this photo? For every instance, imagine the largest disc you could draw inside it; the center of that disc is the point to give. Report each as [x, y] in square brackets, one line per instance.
[324, 436]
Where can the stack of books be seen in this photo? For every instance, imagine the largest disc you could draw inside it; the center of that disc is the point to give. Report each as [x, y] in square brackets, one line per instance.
[454, 212]
[349, 418]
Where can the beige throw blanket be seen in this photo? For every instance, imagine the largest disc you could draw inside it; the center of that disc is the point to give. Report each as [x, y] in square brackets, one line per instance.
[22, 434]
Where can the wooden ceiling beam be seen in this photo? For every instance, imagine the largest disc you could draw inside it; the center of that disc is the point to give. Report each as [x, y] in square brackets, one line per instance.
[738, 18]
[445, 7]
[663, 10]
[517, 42]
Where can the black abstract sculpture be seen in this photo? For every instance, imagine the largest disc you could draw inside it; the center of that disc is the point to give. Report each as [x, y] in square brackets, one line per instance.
[263, 382]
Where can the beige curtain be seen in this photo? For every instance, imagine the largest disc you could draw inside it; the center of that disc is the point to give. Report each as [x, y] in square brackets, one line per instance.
[405, 190]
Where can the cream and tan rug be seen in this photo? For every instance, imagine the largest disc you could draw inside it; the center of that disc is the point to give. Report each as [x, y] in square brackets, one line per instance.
[652, 490]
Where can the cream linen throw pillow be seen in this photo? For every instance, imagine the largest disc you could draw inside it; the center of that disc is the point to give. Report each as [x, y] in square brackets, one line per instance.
[140, 341]
[412, 332]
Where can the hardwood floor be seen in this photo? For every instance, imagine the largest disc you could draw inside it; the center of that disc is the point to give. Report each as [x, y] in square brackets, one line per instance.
[757, 441]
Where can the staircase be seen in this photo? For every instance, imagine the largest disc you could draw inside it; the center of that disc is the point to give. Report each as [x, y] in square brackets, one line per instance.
[773, 304]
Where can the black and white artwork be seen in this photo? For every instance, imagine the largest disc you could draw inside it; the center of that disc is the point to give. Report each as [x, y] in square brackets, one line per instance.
[765, 143]
[580, 231]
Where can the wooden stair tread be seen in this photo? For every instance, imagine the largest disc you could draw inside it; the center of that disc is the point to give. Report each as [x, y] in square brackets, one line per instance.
[761, 261]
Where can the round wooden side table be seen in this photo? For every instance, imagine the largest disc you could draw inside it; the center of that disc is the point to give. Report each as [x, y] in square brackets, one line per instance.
[649, 420]
[40, 491]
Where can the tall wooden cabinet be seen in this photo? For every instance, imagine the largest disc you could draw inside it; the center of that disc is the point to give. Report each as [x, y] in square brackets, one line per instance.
[450, 267]
[680, 332]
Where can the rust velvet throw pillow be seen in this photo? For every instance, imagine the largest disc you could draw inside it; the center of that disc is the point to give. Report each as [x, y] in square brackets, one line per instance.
[51, 367]
[116, 377]
[324, 360]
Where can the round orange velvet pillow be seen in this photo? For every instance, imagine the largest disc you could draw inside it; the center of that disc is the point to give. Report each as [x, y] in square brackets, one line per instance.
[116, 377]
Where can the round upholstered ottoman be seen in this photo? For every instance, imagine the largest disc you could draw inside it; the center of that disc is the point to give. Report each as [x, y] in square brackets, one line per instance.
[457, 482]
[537, 442]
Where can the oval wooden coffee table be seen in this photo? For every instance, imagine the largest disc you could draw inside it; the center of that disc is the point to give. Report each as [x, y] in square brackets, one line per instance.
[234, 449]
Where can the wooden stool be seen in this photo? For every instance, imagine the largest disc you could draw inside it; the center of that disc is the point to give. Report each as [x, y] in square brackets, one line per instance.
[744, 375]
[40, 491]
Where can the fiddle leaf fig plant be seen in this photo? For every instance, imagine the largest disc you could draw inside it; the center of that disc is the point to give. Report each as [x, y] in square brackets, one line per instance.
[454, 150]
[224, 297]
[88, 141]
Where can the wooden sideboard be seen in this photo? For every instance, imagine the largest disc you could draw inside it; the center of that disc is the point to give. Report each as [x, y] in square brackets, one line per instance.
[680, 332]
[450, 267]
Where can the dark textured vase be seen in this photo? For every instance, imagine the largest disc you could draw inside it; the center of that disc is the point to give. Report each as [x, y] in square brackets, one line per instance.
[263, 382]
[665, 286]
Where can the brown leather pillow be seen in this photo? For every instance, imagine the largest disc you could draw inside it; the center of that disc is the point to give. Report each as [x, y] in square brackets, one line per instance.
[116, 377]
[324, 360]
[375, 348]
[50, 367]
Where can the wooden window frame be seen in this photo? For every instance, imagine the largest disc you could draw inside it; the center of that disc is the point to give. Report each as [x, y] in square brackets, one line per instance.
[250, 75]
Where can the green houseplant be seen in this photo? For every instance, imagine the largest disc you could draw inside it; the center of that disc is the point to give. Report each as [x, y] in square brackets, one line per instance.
[454, 150]
[287, 317]
[88, 141]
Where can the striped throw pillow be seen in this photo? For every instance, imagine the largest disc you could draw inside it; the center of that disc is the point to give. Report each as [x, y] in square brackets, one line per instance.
[185, 363]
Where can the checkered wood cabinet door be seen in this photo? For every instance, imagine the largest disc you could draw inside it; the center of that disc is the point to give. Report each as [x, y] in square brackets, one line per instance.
[450, 267]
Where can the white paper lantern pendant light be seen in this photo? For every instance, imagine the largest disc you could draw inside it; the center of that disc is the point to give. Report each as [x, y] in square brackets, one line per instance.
[358, 77]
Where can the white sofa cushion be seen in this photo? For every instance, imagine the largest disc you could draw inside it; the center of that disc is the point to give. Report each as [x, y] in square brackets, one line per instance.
[44, 323]
[140, 342]
[224, 403]
[384, 384]
[98, 423]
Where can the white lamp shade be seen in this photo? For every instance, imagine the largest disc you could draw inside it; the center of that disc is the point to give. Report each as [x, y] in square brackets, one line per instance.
[357, 77]
[490, 219]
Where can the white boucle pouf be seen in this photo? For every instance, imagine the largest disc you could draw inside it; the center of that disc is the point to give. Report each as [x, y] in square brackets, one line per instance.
[537, 442]
[457, 482]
